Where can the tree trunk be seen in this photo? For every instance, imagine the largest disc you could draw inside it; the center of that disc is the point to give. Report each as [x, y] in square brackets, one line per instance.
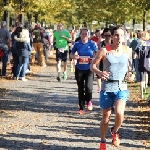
[36, 18]
[144, 20]
[133, 23]
[99, 24]
[22, 19]
[6, 14]
[106, 24]
[29, 16]
[7, 20]
[73, 26]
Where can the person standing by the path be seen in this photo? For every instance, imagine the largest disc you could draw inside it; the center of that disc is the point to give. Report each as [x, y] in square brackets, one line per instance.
[46, 45]
[148, 44]
[133, 45]
[114, 89]
[37, 34]
[14, 51]
[23, 47]
[5, 38]
[61, 37]
[85, 50]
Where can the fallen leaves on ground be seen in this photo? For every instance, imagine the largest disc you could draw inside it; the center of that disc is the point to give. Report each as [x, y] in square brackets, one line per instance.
[142, 109]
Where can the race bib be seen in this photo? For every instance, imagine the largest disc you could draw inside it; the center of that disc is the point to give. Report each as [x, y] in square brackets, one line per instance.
[123, 86]
[84, 60]
[61, 50]
[113, 86]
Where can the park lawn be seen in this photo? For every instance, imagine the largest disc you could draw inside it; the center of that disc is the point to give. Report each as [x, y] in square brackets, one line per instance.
[136, 89]
[147, 93]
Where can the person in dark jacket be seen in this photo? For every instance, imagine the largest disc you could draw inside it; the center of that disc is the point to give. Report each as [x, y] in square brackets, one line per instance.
[14, 51]
[4, 44]
[23, 47]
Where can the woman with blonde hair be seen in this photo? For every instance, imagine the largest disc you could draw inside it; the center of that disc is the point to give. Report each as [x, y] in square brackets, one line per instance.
[22, 44]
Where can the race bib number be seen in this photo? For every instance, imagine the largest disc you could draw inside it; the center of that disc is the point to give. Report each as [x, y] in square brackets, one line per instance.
[123, 86]
[61, 50]
[114, 86]
[84, 60]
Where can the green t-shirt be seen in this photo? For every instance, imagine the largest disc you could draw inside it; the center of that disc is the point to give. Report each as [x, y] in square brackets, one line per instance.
[60, 41]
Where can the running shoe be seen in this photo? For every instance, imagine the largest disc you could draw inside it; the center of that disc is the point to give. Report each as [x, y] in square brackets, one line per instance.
[81, 112]
[65, 76]
[89, 105]
[59, 79]
[102, 146]
[115, 138]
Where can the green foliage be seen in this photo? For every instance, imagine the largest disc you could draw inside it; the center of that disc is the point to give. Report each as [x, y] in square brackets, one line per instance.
[75, 11]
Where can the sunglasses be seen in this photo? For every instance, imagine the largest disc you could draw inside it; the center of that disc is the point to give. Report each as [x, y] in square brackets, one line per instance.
[84, 33]
[107, 35]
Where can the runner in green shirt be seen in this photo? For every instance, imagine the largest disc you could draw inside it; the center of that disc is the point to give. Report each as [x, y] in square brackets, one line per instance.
[61, 37]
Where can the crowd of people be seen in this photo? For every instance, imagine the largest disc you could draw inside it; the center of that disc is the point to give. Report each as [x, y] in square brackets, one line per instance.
[23, 45]
[114, 55]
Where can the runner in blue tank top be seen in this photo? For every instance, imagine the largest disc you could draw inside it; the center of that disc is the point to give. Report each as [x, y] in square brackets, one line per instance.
[85, 50]
[114, 90]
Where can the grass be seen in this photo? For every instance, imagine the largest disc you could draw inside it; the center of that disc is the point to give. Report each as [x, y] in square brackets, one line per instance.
[136, 89]
[147, 93]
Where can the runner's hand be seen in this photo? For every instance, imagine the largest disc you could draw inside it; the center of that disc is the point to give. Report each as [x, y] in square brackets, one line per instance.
[104, 75]
[76, 56]
[91, 59]
[130, 77]
[63, 36]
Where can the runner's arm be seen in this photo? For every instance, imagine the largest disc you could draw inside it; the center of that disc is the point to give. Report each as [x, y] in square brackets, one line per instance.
[67, 37]
[101, 54]
[54, 38]
[130, 75]
[74, 37]
[129, 60]
[73, 54]
[95, 49]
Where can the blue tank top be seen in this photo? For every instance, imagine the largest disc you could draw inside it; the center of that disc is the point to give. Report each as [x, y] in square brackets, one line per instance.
[118, 67]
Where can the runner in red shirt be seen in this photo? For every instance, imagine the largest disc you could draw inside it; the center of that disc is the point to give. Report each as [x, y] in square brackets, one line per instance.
[97, 37]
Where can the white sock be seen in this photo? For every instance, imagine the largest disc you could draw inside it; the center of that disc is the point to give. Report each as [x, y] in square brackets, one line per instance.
[58, 74]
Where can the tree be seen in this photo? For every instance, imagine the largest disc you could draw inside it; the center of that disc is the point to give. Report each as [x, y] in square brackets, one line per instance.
[75, 12]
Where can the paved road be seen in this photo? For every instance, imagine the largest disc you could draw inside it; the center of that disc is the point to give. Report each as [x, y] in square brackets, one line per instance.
[41, 114]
